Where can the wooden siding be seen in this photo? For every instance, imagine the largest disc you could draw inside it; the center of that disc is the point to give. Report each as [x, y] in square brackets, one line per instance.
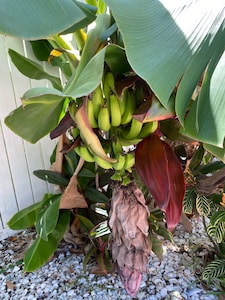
[19, 188]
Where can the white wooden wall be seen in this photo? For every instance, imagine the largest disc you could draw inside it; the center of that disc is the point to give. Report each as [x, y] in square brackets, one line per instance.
[19, 188]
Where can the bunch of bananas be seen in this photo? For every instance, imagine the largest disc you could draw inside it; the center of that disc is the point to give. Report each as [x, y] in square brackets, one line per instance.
[113, 116]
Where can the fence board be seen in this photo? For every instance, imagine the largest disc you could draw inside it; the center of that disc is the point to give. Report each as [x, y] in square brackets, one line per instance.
[18, 186]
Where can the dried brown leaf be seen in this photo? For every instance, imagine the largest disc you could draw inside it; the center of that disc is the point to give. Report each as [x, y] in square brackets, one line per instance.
[71, 197]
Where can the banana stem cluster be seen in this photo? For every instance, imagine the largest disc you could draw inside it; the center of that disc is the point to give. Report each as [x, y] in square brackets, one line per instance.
[112, 117]
[129, 241]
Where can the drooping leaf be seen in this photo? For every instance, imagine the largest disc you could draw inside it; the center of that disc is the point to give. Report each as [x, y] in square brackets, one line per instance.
[41, 250]
[25, 218]
[176, 188]
[37, 119]
[32, 69]
[152, 167]
[47, 216]
[51, 177]
[34, 20]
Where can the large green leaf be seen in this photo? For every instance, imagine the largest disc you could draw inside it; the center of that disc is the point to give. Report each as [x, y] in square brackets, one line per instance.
[32, 70]
[33, 19]
[47, 216]
[39, 116]
[206, 118]
[25, 218]
[41, 250]
[88, 74]
[161, 41]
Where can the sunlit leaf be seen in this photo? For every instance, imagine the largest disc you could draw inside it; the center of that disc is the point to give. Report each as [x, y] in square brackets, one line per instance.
[33, 19]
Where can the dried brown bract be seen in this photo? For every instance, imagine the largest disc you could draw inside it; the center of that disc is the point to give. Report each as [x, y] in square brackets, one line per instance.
[129, 240]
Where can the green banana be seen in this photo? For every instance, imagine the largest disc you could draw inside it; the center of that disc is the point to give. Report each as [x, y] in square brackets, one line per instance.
[116, 176]
[126, 180]
[121, 162]
[123, 101]
[75, 132]
[98, 101]
[90, 138]
[102, 162]
[104, 119]
[129, 110]
[116, 146]
[86, 154]
[124, 142]
[90, 114]
[114, 111]
[147, 129]
[129, 161]
[133, 131]
[109, 85]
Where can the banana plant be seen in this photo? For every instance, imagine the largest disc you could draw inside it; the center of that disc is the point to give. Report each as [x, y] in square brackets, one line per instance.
[135, 89]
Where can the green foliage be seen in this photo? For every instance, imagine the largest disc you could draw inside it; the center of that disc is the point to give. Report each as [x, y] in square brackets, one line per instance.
[25, 218]
[41, 250]
[32, 70]
[215, 269]
[119, 57]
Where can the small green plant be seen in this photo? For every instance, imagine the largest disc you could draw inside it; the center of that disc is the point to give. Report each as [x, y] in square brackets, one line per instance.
[205, 197]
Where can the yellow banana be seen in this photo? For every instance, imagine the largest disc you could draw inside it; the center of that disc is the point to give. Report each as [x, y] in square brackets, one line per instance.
[90, 138]
[129, 110]
[121, 162]
[129, 161]
[104, 118]
[114, 111]
[102, 163]
[109, 85]
[133, 131]
[147, 129]
[91, 115]
[86, 154]
[98, 101]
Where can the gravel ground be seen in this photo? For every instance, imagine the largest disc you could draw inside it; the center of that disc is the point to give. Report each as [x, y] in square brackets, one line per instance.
[63, 277]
